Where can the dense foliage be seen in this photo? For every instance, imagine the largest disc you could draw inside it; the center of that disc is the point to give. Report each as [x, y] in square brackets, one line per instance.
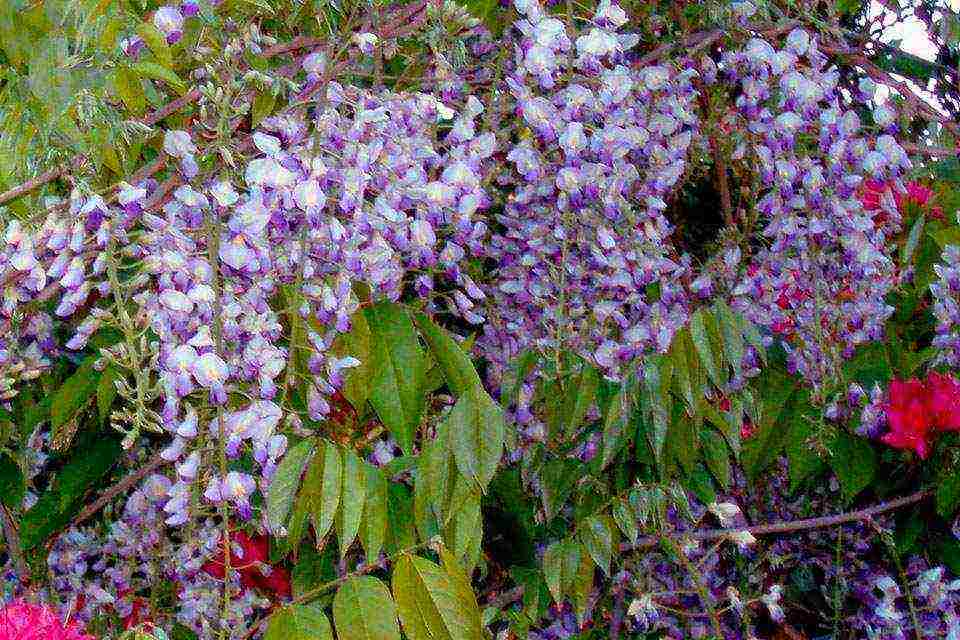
[377, 320]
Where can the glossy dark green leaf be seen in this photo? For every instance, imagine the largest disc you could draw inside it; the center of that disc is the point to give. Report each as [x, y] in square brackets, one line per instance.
[74, 394]
[855, 463]
[458, 369]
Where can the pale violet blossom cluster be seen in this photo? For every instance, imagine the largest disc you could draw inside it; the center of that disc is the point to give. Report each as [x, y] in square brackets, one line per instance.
[584, 261]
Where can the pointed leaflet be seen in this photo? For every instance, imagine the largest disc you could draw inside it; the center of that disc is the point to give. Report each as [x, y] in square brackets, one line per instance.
[463, 591]
[456, 365]
[580, 395]
[364, 610]
[397, 388]
[514, 375]
[730, 329]
[715, 455]
[561, 561]
[353, 483]
[323, 484]
[655, 401]
[701, 342]
[373, 524]
[357, 343]
[476, 435]
[72, 395]
[433, 605]
[298, 622]
[684, 369]
[617, 420]
[598, 534]
[433, 470]
[626, 517]
[286, 481]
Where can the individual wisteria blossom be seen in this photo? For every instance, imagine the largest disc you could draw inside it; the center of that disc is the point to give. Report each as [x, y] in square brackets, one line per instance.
[169, 21]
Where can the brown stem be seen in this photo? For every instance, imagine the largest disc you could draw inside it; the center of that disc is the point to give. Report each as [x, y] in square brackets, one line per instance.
[792, 526]
[12, 537]
[121, 487]
[723, 181]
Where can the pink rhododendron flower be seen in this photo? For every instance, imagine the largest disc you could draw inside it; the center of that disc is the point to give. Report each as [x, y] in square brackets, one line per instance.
[916, 194]
[21, 620]
[917, 410]
[910, 426]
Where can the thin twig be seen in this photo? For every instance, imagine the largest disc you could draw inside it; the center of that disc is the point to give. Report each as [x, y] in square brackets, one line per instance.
[12, 537]
[792, 526]
[121, 487]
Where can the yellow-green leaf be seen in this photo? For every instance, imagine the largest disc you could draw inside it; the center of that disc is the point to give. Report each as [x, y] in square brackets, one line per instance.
[364, 610]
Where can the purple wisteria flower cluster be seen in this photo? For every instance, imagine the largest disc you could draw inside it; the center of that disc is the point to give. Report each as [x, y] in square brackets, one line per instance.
[231, 289]
[818, 283]
[583, 240]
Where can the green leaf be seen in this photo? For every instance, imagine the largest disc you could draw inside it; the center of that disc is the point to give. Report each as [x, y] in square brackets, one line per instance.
[12, 484]
[730, 328]
[107, 391]
[72, 396]
[57, 505]
[312, 569]
[716, 456]
[373, 524]
[159, 72]
[685, 364]
[913, 240]
[948, 494]
[700, 335]
[517, 371]
[804, 460]
[946, 236]
[626, 518]
[263, 105]
[364, 610]
[557, 480]
[855, 463]
[553, 569]
[401, 533]
[617, 421]
[654, 400]
[157, 43]
[458, 369]
[580, 395]
[353, 484]
[598, 534]
[777, 388]
[398, 382]
[286, 481]
[432, 604]
[752, 335]
[325, 499]
[126, 84]
[476, 434]
[356, 343]
[298, 622]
